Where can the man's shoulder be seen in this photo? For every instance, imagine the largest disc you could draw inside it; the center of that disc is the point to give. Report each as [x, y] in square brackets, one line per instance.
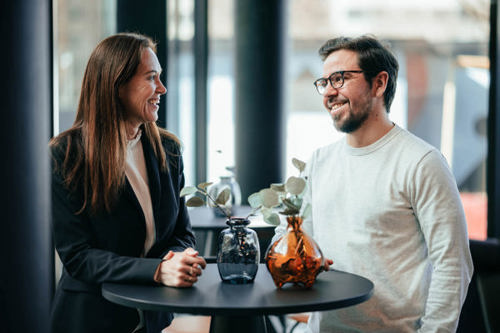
[324, 156]
[170, 142]
[414, 151]
[413, 145]
[328, 150]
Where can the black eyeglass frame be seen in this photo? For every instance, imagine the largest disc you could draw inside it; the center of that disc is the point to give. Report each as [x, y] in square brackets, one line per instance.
[329, 79]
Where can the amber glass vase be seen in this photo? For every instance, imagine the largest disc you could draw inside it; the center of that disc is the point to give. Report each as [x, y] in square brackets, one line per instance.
[295, 257]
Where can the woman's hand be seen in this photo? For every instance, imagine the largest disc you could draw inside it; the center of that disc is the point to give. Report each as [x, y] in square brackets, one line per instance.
[180, 269]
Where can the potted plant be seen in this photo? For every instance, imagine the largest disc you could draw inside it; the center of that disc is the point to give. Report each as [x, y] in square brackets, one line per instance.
[295, 257]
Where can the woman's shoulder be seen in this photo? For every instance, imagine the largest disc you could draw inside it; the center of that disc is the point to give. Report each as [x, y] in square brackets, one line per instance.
[170, 142]
[64, 143]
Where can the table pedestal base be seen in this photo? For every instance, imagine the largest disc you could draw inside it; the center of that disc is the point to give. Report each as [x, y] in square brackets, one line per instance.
[238, 324]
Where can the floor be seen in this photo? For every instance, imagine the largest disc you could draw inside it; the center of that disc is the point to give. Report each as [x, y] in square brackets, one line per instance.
[201, 324]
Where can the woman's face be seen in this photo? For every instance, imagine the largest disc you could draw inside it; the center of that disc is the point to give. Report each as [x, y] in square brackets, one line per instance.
[141, 94]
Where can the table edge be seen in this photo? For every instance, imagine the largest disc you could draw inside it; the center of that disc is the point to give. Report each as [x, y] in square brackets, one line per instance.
[231, 311]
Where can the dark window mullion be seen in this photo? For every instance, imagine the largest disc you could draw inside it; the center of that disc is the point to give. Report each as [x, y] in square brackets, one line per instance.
[200, 91]
[493, 172]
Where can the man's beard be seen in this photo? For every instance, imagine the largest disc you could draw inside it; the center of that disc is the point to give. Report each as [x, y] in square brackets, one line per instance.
[353, 121]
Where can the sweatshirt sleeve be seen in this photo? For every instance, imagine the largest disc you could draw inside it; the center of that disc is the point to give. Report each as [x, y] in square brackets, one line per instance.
[438, 209]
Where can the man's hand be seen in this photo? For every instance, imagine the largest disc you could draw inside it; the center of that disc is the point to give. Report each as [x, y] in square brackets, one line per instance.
[180, 269]
[327, 264]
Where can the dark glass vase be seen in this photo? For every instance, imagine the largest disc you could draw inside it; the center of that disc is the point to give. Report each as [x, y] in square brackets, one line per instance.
[295, 257]
[239, 252]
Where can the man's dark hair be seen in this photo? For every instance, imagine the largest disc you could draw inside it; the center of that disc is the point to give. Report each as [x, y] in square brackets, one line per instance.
[374, 57]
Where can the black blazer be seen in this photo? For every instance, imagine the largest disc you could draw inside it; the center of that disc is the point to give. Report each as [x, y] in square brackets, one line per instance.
[106, 247]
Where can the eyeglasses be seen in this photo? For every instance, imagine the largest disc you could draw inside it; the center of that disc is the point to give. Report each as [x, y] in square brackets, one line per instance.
[336, 81]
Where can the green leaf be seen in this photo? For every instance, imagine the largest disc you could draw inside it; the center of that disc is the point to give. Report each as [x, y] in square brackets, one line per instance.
[306, 212]
[296, 201]
[298, 164]
[290, 204]
[290, 211]
[255, 200]
[203, 186]
[188, 190]
[278, 187]
[223, 196]
[269, 197]
[295, 185]
[271, 217]
[195, 202]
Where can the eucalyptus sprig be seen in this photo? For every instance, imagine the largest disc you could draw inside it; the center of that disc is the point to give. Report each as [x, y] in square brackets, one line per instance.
[198, 201]
[287, 197]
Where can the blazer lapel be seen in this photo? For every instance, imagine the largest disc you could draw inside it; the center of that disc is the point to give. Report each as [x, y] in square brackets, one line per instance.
[129, 192]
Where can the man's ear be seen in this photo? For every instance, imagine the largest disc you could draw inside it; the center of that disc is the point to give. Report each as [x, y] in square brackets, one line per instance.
[380, 83]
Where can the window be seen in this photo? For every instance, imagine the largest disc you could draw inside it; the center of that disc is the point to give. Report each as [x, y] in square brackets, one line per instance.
[220, 127]
[442, 93]
[180, 80]
[97, 19]
[443, 83]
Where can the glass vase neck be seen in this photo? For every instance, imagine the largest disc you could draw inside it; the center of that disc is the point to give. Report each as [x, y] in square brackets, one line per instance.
[237, 222]
[294, 222]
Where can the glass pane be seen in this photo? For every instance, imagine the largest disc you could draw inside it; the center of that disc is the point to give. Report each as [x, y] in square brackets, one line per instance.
[180, 80]
[220, 127]
[78, 26]
[443, 82]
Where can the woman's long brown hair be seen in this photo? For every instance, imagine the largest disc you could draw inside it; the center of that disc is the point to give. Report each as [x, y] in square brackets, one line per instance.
[96, 143]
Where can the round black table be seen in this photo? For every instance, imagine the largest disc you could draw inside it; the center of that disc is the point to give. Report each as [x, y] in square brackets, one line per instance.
[241, 308]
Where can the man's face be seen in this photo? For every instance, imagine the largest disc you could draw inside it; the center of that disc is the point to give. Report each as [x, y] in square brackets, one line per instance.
[351, 104]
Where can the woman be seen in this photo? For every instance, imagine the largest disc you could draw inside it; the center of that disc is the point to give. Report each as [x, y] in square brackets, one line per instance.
[117, 214]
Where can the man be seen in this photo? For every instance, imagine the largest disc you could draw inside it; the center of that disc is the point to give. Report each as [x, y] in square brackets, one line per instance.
[384, 203]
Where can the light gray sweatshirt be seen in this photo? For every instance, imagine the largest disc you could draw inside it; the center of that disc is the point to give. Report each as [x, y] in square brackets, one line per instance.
[392, 213]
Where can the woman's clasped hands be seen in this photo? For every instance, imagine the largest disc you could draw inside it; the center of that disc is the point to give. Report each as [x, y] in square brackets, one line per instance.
[180, 269]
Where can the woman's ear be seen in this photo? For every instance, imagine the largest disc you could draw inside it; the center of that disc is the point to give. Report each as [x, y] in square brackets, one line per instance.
[380, 83]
